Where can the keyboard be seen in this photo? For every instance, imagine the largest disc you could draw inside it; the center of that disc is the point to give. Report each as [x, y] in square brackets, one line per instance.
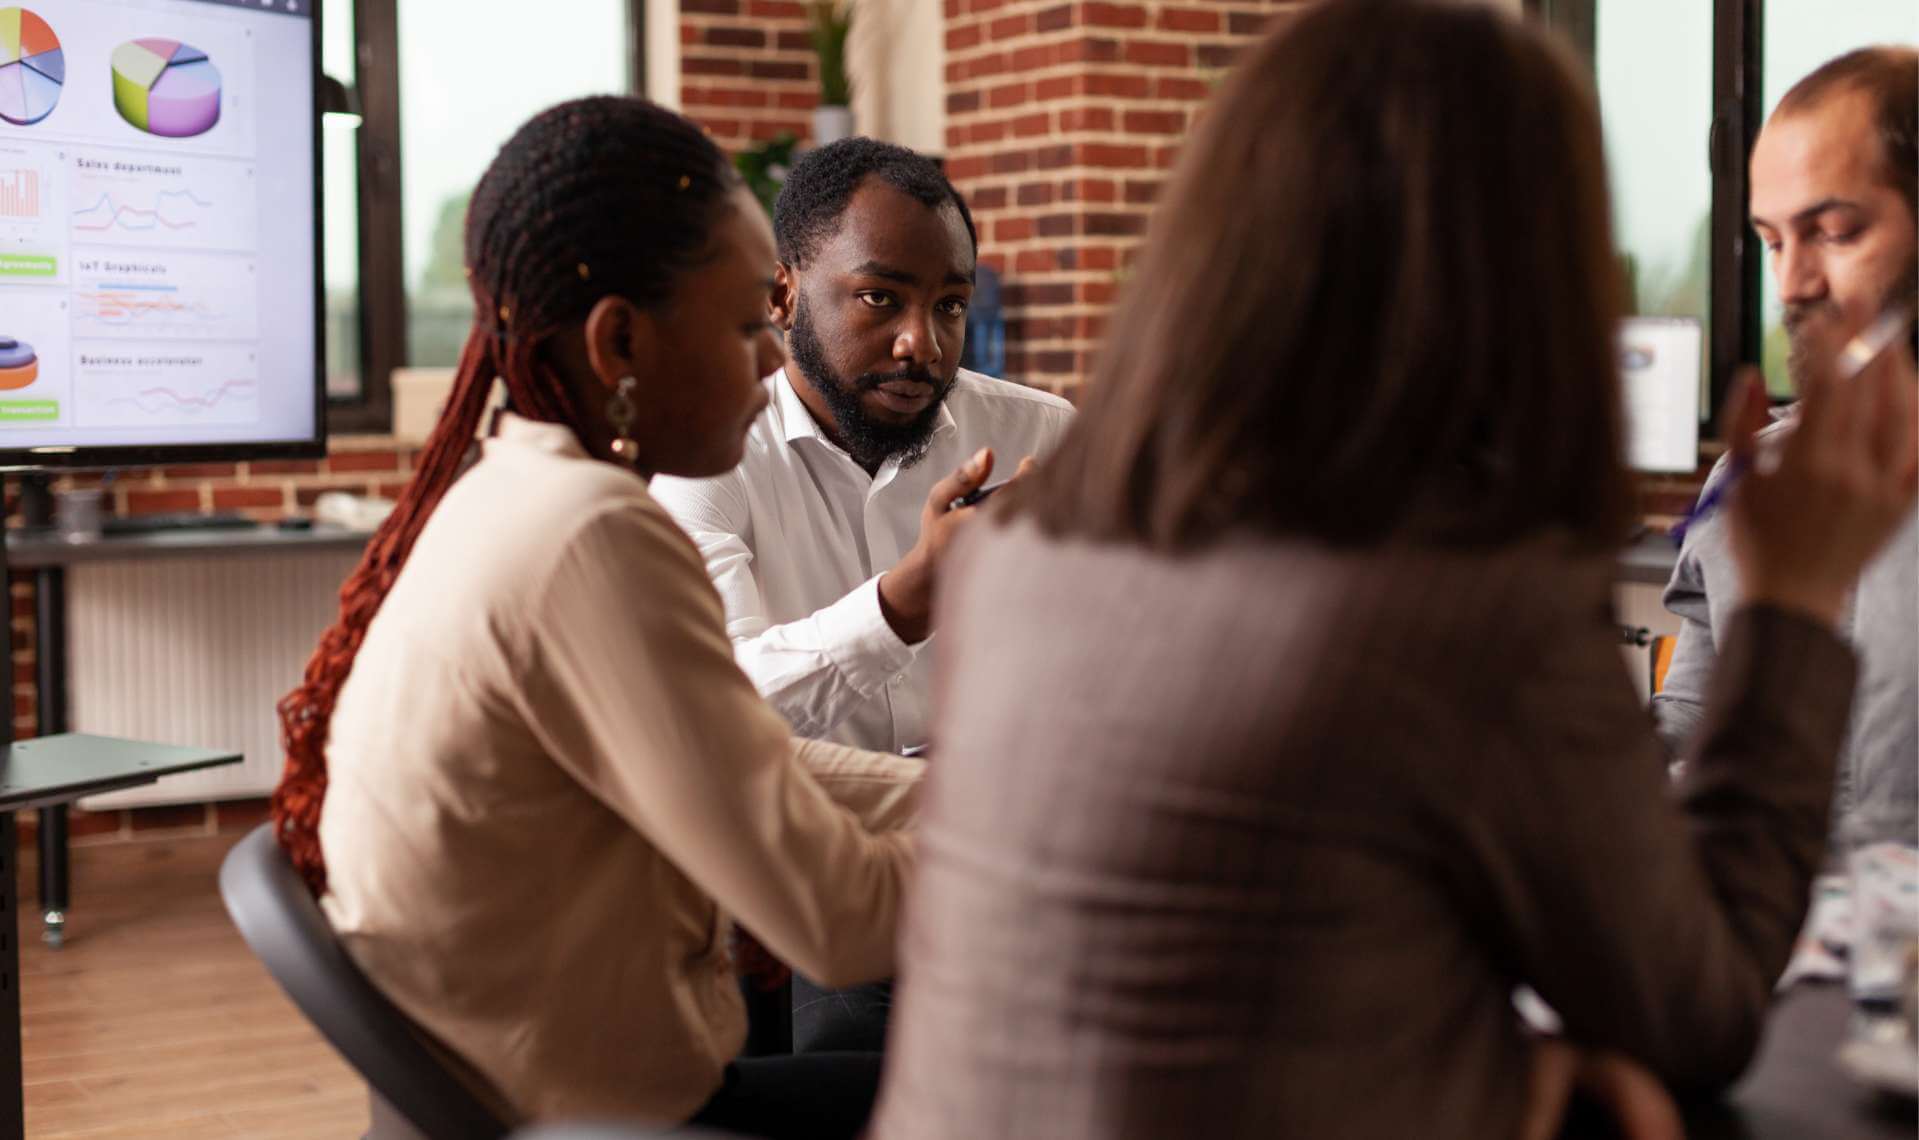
[155, 524]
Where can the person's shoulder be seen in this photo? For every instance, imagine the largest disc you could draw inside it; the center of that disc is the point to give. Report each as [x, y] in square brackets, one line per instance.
[990, 390]
[547, 487]
[1772, 435]
[1003, 414]
[701, 502]
[614, 518]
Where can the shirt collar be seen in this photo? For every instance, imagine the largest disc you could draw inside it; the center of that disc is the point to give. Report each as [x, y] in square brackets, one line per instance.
[798, 423]
[553, 439]
[794, 414]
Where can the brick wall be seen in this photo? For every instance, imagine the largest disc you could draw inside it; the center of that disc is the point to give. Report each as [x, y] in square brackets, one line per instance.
[264, 489]
[1062, 122]
[1063, 119]
[747, 69]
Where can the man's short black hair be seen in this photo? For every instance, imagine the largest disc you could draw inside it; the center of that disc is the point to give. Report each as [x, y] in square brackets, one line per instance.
[822, 182]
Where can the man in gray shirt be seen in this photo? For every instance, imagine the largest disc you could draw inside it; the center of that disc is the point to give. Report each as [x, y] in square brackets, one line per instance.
[1833, 199]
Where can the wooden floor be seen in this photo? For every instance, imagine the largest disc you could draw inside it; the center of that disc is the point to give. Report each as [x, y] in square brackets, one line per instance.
[156, 1021]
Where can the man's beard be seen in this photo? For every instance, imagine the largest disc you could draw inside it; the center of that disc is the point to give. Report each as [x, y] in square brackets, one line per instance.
[1800, 347]
[869, 441]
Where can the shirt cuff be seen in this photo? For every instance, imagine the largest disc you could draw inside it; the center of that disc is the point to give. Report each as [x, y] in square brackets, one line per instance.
[859, 642]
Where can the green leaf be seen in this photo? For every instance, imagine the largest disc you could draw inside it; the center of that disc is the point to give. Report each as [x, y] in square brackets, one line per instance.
[831, 22]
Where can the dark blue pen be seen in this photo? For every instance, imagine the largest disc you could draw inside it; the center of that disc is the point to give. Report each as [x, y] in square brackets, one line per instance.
[1859, 352]
[1710, 500]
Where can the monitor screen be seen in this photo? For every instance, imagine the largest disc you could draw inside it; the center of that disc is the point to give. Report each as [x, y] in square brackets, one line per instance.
[1659, 362]
[159, 242]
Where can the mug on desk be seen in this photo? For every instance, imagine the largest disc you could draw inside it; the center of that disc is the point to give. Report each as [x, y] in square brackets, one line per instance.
[78, 514]
[1882, 1046]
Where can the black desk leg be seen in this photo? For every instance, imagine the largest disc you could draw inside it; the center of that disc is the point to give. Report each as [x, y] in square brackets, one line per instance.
[53, 873]
[12, 1111]
[50, 716]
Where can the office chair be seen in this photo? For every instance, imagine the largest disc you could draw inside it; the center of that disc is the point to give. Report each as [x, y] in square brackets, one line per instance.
[413, 1092]
[1661, 652]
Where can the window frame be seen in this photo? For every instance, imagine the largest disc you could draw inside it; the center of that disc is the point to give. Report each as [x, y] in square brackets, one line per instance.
[1734, 281]
[382, 249]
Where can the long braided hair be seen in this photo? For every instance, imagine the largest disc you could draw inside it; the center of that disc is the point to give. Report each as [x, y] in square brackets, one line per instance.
[596, 197]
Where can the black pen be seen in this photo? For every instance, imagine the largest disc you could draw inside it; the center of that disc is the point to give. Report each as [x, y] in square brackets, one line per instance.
[976, 496]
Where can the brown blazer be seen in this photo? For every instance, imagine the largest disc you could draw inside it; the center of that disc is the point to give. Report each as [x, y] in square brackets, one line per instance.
[1259, 842]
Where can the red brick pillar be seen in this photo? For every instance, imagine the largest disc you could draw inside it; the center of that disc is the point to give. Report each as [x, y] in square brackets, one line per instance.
[747, 69]
[1062, 120]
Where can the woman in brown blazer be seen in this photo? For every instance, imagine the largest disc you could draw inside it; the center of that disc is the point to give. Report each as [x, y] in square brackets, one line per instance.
[1286, 731]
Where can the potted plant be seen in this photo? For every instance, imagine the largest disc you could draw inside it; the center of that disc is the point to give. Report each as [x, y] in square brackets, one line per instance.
[829, 22]
[764, 166]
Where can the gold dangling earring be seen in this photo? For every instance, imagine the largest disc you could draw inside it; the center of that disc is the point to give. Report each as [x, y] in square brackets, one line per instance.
[620, 411]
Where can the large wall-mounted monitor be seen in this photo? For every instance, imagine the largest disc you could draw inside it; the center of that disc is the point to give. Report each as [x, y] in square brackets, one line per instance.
[1660, 359]
[159, 233]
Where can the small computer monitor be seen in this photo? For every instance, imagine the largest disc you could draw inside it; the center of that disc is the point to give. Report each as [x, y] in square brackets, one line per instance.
[159, 242]
[1659, 369]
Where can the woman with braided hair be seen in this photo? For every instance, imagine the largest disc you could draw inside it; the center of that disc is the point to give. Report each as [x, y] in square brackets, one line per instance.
[523, 775]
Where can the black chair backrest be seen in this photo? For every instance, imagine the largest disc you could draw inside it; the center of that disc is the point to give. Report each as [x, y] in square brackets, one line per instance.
[618, 1133]
[287, 930]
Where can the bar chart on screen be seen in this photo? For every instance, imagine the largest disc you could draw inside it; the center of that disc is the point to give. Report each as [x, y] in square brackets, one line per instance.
[32, 233]
[20, 194]
[165, 295]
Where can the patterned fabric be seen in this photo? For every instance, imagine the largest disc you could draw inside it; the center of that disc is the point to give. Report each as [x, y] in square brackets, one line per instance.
[1258, 842]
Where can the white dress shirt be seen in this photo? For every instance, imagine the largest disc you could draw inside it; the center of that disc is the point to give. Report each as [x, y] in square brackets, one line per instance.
[796, 537]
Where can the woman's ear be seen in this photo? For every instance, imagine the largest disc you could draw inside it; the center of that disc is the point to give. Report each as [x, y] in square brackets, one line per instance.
[621, 340]
[783, 300]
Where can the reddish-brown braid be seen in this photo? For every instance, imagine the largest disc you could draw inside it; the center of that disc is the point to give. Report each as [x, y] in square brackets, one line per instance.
[597, 197]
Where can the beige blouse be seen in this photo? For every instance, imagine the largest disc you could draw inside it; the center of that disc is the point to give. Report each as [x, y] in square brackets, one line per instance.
[551, 786]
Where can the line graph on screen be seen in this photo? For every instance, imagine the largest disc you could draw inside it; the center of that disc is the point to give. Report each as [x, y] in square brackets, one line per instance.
[203, 204]
[171, 296]
[166, 210]
[188, 401]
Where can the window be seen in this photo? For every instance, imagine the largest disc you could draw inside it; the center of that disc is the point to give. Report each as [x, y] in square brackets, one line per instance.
[1683, 90]
[419, 103]
[466, 84]
[1652, 61]
[340, 169]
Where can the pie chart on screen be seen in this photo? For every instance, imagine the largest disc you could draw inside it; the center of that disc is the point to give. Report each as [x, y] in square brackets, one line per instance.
[32, 67]
[165, 87]
[19, 367]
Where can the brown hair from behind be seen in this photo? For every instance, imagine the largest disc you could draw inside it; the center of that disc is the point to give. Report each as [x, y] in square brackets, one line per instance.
[1378, 303]
[1888, 76]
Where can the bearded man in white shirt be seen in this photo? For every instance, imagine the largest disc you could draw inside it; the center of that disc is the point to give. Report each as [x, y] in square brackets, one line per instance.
[825, 541]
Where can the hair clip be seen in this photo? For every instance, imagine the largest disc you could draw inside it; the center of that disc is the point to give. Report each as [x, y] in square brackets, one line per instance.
[685, 181]
[585, 273]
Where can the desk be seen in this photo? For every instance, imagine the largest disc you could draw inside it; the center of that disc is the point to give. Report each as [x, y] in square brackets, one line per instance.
[44, 772]
[1795, 1089]
[1648, 560]
[48, 556]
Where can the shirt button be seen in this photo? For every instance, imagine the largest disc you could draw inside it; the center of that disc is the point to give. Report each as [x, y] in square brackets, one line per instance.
[898, 679]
